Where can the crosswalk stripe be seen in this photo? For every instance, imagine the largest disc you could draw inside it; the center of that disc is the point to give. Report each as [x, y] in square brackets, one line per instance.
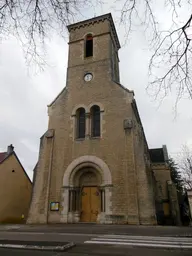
[149, 237]
[145, 241]
[141, 244]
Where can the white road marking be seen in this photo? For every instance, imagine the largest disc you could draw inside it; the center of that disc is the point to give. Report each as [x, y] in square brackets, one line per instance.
[145, 241]
[141, 244]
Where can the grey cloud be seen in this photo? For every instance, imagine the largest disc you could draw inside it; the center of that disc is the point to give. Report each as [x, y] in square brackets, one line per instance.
[24, 98]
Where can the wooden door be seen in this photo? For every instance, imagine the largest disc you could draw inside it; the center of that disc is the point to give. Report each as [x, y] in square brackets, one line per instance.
[85, 204]
[90, 204]
[95, 203]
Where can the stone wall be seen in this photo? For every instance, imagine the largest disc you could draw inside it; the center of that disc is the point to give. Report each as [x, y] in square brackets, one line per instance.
[122, 151]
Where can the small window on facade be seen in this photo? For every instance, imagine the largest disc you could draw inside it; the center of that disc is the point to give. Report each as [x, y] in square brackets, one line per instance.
[80, 115]
[89, 46]
[95, 121]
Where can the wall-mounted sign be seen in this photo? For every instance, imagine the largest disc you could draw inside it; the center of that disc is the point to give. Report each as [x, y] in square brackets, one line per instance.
[54, 206]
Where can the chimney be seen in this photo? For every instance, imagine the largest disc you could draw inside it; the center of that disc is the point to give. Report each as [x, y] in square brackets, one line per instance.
[10, 149]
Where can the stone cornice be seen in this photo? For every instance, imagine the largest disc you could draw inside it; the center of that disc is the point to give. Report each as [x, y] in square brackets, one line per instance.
[162, 166]
[94, 20]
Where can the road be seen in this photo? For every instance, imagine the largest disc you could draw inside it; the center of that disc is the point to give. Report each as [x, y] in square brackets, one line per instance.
[102, 240]
[89, 250]
[102, 229]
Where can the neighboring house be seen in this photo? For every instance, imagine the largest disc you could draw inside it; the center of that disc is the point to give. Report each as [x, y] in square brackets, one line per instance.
[94, 163]
[15, 188]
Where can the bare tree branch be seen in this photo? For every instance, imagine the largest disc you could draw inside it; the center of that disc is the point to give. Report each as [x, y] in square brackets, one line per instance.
[170, 67]
[185, 165]
[170, 64]
[32, 21]
[174, 53]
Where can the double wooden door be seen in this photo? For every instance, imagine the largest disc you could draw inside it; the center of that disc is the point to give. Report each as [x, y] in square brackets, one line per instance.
[90, 204]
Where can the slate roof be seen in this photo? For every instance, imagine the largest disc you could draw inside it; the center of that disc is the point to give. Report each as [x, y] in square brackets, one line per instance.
[2, 156]
[157, 155]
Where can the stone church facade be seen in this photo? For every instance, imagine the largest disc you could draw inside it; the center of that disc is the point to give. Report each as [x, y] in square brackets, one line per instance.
[94, 163]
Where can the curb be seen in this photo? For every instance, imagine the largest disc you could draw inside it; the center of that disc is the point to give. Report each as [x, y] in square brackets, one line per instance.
[58, 248]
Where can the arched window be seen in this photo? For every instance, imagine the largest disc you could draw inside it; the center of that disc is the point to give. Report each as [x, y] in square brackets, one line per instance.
[80, 115]
[95, 121]
[89, 46]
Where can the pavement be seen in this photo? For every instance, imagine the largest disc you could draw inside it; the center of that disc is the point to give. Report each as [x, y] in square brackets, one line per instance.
[81, 239]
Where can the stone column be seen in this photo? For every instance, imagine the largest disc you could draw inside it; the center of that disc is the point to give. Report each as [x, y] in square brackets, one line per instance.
[88, 126]
[65, 205]
[130, 174]
[108, 203]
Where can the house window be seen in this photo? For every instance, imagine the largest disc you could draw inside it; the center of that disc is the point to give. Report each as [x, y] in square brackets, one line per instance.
[95, 121]
[80, 115]
[89, 46]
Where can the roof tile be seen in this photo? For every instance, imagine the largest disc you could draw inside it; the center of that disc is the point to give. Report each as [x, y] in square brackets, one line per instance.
[2, 156]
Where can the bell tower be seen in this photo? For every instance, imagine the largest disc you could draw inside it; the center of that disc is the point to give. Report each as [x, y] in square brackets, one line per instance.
[93, 43]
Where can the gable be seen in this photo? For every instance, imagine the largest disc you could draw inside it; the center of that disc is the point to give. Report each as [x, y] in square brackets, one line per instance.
[9, 163]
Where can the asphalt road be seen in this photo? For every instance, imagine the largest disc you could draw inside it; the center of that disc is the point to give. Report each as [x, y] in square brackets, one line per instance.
[101, 229]
[44, 236]
[89, 250]
[102, 240]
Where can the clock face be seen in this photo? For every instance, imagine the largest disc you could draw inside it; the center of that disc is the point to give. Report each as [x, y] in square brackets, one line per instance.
[88, 77]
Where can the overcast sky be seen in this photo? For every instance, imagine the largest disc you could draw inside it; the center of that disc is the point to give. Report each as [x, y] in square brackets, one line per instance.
[24, 95]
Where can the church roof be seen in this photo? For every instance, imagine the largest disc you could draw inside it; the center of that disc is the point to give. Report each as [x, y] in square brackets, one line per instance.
[97, 19]
[157, 155]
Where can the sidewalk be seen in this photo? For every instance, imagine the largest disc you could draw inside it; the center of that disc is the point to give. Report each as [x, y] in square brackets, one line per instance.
[36, 245]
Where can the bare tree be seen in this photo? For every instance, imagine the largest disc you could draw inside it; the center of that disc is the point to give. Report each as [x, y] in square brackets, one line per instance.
[185, 164]
[31, 21]
[170, 65]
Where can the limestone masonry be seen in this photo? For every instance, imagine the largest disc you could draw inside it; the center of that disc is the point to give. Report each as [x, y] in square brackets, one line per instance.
[94, 163]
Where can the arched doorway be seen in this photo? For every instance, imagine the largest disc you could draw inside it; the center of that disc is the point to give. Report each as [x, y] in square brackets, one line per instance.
[88, 181]
[75, 181]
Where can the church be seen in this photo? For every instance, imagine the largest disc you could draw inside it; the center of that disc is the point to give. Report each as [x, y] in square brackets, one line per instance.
[94, 163]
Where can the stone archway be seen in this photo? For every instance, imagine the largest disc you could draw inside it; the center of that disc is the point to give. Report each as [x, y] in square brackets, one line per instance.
[72, 179]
